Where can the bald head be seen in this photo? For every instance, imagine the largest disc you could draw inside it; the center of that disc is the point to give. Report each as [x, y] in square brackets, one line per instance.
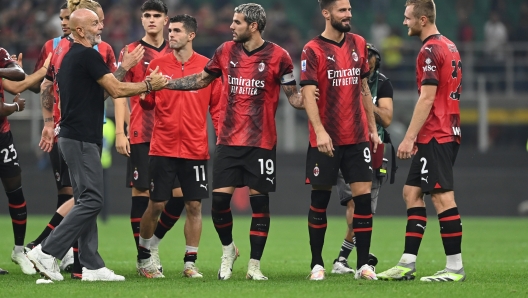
[85, 27]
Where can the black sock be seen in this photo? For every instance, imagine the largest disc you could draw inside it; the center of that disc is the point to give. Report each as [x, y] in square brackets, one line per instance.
[451, 231]
[169, 216]
[260, 223]
[54, 222]
[317, 223]
[362, 227]
[62, 199]
[222, 216]
[415, 229]
[18, 212]
[139, 205]
[346, 248]
[190, 257]
[77, 267]
[143, 253]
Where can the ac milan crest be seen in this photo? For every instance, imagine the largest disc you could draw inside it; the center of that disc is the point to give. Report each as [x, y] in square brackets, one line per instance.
[316, 171]
[355, 56]
[261, 66]
[136, 174]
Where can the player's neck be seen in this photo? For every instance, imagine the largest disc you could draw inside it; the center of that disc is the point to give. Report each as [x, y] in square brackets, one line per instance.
[428, 31]
[333, 34]
[184, 54]
[253, 44]
[83, 41]
[154, 40]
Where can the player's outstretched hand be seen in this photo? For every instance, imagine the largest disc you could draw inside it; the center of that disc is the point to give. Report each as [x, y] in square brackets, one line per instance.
[324, 143]
[406, 149]
[157, 80]
[18, 59]
[376, 141]
[20, 102]
[46, 140]
[130, 59]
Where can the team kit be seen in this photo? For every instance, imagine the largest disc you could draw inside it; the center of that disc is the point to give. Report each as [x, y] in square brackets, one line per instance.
[162, 130]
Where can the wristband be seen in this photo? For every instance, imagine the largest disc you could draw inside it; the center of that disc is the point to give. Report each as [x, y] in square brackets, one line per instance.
[18, 107]
[149, 87]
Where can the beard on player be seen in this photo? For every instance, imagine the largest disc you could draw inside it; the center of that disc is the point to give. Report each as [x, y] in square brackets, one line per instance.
[242, 37]
[339, 26]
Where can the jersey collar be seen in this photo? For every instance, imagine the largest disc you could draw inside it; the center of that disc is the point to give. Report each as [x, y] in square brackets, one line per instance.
[255, 50]
[339, 44]
[430, 37]
[148, 45]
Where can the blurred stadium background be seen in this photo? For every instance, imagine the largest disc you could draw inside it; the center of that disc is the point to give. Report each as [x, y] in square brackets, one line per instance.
[492, 36]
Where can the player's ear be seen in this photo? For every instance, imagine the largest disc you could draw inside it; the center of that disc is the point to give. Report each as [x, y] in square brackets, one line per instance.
[326, 14]
[192, 35]
[166, 20]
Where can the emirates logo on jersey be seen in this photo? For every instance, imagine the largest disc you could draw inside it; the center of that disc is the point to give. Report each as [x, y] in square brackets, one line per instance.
[244, 86]
[261, 67]
[344, 77]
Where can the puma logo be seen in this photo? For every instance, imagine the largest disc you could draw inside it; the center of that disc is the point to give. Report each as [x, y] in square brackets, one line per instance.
[270, 180]
[371, 169]
[146, 63]
[430, 49]
[331, 58]
[204, 186]
[233, 63]
[419, 225]
[425, 179]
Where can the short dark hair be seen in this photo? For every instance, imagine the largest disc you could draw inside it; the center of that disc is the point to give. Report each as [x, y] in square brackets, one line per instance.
[156, 5]
[189, 22]
[253, 13]
[64, 5]
[325, 4]
[425, 8]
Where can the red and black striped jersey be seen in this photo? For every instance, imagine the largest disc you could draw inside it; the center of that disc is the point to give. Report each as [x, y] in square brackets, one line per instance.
[5, 60]
[46, 49]
[141, 121]
[59, 52]
[337, 70]
[439, 64]
[250, 93]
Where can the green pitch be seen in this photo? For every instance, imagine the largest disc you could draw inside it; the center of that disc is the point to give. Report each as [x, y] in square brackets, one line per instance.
[495, 254]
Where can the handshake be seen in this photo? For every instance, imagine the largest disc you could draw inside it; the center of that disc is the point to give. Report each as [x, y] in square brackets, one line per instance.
[155, 80]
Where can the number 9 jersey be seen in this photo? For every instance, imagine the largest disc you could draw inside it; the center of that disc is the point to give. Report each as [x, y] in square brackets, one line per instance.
[439, 64]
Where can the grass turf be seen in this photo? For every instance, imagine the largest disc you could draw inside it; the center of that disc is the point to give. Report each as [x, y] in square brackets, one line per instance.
[494, 252]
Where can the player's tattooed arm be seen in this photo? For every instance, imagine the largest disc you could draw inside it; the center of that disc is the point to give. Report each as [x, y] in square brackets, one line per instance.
[192, 82]
[120, 75]
[47, 99]
[294, 96]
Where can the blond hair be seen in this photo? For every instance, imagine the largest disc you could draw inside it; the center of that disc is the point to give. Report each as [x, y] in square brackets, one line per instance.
[422, 8]
[73, 5]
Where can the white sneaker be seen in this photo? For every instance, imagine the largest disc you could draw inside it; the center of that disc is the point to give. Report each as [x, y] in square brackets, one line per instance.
[318, 273]
[341, 267]
[21, 259]
[67, 262]
[44, 263]
[102, 274]
[229, 256]
[147, 268]
[366, 272]
[190, 270]
[254, 272]
[154, 255]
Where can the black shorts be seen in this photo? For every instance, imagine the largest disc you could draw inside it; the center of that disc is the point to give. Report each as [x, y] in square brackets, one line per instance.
[60, 169]
[9, 166]
[240, 166]
[432, 166]
[191, 173]
[354, 161]
[138, 172]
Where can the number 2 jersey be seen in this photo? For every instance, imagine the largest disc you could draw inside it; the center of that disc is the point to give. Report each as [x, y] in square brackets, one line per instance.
[5, 60]
[250, 93]
[439, 64]
[337, 70]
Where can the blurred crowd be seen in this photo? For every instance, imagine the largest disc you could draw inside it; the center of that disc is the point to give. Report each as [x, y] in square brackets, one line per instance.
[26, 24]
